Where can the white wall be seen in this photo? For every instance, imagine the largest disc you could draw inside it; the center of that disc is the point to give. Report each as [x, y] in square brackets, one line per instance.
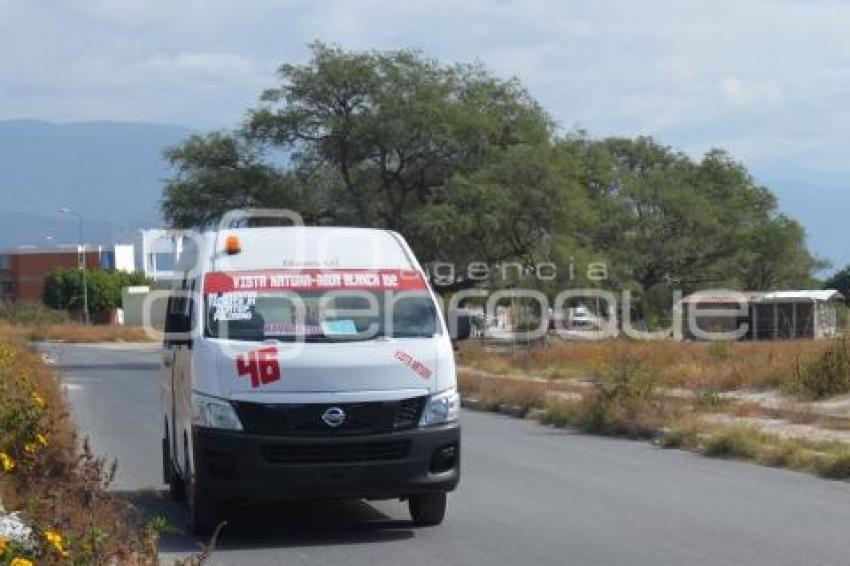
[125, 258]
[150, 244]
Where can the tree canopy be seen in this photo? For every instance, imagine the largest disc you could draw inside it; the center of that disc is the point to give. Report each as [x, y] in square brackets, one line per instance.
[840, 281]
[470, 168]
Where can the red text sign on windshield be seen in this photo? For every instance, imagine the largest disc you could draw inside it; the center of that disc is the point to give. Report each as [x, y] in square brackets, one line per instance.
[314, 280]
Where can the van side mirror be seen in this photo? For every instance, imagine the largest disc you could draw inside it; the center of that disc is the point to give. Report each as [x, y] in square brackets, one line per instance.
[460, 325]
[178, 328]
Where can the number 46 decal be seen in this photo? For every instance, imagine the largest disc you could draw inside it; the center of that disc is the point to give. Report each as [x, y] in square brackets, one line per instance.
[261, 365]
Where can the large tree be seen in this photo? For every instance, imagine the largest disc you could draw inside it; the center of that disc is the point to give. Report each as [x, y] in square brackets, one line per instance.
[665, 221]
[454, 158]
[467, 166]
[394, 126]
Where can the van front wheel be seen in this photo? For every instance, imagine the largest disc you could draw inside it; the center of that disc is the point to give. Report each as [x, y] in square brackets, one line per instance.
[203, 513]
[427, 509]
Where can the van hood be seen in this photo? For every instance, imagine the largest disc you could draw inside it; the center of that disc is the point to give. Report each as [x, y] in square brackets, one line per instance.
[400, 367]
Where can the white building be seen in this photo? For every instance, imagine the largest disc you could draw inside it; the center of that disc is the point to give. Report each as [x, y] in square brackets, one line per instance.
[157, 252]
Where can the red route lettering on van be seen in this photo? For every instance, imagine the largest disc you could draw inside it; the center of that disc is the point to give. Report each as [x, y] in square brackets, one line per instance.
[314, 280]
[261, 365]
[406, 359]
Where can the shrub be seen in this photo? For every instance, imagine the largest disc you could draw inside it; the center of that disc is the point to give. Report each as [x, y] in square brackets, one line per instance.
[825, 376]
[63, 288]
[733, 442]
[624, 400]
[562, 414]
[835, 466]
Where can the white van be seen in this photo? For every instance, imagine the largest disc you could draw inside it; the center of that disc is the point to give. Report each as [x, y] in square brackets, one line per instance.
[307, 362]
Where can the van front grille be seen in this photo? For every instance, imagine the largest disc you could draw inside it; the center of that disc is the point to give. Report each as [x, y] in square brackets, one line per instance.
[335, 453]
[306, 419]
[408, 412]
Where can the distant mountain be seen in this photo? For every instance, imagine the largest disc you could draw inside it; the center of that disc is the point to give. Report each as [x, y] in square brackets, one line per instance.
[110, 172]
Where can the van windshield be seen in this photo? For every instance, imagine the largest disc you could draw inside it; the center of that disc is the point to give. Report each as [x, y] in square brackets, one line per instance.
[320, 316]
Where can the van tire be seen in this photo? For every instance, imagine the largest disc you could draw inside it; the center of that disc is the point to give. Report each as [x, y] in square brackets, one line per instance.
[176, 486]
[427, 509]
[203, 517]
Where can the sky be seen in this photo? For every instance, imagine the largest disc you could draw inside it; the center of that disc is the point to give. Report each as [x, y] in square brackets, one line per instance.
[766, 80]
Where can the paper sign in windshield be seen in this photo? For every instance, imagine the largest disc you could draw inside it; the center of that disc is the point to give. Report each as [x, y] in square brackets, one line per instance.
[314, 280]
[291, 329]
[233, 306]
[339, 328]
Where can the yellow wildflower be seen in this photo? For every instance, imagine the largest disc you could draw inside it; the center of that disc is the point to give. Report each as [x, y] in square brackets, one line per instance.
[7, 463]
[55, 539]
[41, 439]
[30, 448]
[7, 354]
[38, 400]
[4, 544]
[21, 562]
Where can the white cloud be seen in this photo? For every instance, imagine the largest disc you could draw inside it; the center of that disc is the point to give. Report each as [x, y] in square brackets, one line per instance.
[737, 93]
[695, 74]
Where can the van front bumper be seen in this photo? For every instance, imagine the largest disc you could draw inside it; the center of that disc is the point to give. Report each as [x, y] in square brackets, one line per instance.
[232, 465]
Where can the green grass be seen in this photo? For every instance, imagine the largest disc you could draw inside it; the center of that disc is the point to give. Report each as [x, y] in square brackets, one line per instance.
[825, 459]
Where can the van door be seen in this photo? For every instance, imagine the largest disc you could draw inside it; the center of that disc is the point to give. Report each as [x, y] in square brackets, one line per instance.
[167, 382]
[181, 383]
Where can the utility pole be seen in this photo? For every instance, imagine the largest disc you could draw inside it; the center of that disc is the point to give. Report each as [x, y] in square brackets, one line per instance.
[81, 248]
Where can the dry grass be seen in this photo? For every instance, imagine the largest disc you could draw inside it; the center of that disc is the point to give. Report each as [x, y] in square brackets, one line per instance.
[490, 392]
[59, 487]
[624, 400]
[74, 333]
[696, 366]
[629, 394]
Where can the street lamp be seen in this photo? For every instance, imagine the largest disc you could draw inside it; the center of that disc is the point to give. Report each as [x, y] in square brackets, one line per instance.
[81, 246]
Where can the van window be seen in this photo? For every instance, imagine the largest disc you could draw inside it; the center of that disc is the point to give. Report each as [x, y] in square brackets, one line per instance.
[364, 315]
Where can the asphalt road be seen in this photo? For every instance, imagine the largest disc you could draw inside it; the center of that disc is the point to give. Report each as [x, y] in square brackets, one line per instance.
[529, 495]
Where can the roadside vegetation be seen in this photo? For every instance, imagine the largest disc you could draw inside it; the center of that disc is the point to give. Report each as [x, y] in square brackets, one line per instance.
[717, 366]
[668, 392]
[55, 505]
[30, 313]
[33, 321]
[74, 333]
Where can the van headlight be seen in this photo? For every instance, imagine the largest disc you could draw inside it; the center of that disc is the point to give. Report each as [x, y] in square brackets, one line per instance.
[441, 408]
[214, 413]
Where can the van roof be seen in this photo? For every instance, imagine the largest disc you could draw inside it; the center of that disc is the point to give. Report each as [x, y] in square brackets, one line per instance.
[310, 247]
